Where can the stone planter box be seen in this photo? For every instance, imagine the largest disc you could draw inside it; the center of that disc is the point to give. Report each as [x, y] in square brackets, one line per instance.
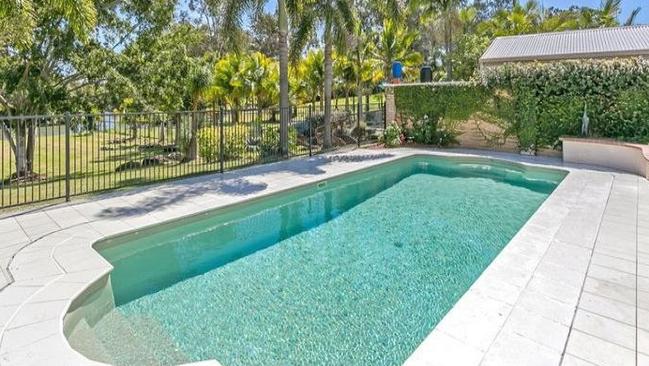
[627, 157]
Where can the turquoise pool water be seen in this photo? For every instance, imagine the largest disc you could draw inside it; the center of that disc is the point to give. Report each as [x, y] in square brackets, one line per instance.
[355, 271]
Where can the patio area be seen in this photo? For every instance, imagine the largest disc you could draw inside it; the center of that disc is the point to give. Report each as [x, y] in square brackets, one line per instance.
[571, 288]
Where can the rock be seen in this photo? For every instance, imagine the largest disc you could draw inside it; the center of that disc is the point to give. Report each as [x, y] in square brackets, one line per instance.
[154, 161]
[128, 166]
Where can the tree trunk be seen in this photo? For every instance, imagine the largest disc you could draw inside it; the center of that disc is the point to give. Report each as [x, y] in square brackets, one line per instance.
[20, 149]
[192, 147]
[359, 110]
[163, 133]
[31, 145]
[328, 80]
[284, 103]
[178, 137]
[448, 40]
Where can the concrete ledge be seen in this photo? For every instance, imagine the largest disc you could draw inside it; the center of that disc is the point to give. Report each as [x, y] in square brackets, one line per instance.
[627, 157]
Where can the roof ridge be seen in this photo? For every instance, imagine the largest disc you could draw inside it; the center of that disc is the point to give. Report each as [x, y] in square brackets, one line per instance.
[582, 43]
[584, 30]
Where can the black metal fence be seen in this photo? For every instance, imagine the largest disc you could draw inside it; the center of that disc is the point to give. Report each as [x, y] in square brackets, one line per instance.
[50, 157]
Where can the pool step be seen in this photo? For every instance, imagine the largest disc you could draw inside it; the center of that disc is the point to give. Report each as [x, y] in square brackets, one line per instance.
[87, 343]
[138, 341]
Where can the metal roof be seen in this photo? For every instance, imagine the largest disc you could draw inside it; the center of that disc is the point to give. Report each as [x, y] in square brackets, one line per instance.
[588, 43]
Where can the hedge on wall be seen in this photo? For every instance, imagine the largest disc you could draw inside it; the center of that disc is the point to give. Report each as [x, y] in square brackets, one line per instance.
[540, 102]
[431, 108]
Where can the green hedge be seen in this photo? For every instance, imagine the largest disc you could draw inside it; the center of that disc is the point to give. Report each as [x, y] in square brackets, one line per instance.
[540, 102]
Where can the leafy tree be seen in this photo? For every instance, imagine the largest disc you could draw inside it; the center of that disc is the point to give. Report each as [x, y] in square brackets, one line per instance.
[31, 79]
[395, 43]
[445, 15]
[310, 77]
[229, 85]
[262, 77]
[233, 11]
[337, 19]
[198, 87]
[264, 35]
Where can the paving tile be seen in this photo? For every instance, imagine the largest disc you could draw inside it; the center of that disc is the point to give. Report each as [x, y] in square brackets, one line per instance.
[568, 276]
[9, 224]
[513, 349]
[13, 237]
[16, 295]
[475, 320]
[609, 308]
[598, 351]
[32, 313]
[643, 360]
[614, 263]
[570, 360]
[439, 349]
[607, 329]
[36, 269]
[643, 300]
[643, 341]
[643, 318]
[612, 276]
[610, 290]
[578, 231]
[23, 336]
[554, 289]
[66, 217]
[537, 328]
[569, 256]
[496, 289]
[542, 305]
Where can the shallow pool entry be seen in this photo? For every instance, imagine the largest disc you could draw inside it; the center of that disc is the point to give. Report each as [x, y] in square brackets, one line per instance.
[354, 273]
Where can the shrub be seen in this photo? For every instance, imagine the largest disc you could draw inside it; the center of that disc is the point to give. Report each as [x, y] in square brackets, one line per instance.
[209, 145]
[392, 135]
[537, 102]
[269, 144]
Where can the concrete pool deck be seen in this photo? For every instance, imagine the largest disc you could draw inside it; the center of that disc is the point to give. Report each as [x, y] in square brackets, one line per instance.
[571, 288]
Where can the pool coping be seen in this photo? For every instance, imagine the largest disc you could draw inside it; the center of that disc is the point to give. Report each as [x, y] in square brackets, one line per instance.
[55, 269]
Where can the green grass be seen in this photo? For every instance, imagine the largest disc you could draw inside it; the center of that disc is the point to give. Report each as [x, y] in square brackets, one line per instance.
[94, 158]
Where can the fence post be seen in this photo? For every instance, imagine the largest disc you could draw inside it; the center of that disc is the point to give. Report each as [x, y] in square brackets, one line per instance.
[67, 156]
[310, 137]
[385, 117]
[358, 124]
[221, 138]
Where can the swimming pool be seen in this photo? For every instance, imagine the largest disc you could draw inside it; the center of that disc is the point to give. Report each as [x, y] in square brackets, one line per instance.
[356, 270]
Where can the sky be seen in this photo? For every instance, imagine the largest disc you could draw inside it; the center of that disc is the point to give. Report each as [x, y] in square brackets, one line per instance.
[627, 7]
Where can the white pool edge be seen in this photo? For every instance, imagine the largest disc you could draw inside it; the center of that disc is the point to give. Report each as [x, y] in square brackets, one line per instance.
[54, 270]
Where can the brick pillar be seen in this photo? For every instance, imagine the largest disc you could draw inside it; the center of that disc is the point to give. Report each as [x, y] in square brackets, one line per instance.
[390, 105]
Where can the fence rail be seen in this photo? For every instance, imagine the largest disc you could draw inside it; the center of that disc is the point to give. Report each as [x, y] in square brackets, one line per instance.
[51, 157]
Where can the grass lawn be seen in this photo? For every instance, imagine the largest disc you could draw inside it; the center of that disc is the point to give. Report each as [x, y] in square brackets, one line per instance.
[95, 158]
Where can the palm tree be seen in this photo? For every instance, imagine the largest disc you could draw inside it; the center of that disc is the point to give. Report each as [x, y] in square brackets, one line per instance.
[446, 13]
[234, 10]
[395, 43]
[197, 88]
[366, 70]
[521, 19]
[337, 19]
[262, 78]
[312, 76]
[608, 13]
[230, 85]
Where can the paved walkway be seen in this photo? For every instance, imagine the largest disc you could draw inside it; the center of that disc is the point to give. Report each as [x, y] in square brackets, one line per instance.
[571, 288]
